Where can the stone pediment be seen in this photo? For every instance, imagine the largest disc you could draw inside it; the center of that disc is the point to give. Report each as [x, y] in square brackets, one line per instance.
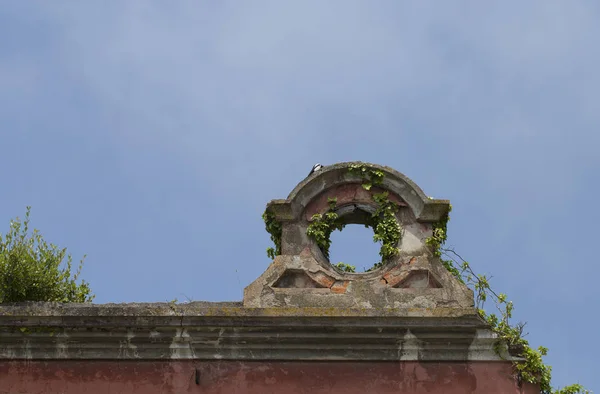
[302, 276]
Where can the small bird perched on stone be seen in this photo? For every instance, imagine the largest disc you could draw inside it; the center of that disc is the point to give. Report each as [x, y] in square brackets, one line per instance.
[315, 168]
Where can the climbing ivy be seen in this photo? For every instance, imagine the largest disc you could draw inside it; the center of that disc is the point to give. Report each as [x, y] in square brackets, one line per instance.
[383, 221]
[531, 368]
[386, 228]
[275, 229]
[322, 226]
[370, 175]
[438, 239]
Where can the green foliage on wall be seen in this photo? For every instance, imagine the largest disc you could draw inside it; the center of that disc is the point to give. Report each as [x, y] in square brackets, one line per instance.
[369, 175]
[275, 230]
[386, 228]
[383, 221]
[323, 225]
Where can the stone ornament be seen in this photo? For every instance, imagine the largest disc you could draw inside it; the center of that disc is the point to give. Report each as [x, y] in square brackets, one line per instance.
[303, 277]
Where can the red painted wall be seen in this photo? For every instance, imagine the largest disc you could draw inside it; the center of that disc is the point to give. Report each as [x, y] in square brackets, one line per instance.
[231, 377]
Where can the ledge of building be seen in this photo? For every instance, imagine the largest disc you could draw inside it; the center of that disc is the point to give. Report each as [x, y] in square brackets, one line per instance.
[212, 309]
[228, 331]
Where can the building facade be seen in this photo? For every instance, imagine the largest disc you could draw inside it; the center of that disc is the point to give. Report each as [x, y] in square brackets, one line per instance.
[304, 326]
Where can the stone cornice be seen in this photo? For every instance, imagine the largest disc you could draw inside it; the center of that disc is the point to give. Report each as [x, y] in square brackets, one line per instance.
[205, 309]
[209, 331]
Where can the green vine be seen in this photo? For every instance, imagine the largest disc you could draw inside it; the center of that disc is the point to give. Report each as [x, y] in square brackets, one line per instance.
[438, 239]
[386, 228]
[275, 229]
[322, 226]
[369, 175]
[383, 221]
[531, 368]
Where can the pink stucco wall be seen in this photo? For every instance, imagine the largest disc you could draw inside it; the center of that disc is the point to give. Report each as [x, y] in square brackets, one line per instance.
[231, 377]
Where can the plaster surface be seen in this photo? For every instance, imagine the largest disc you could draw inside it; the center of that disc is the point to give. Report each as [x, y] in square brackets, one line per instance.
[233, 377]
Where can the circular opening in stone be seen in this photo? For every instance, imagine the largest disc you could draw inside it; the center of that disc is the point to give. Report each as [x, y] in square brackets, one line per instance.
[354, 247]
[351, 249]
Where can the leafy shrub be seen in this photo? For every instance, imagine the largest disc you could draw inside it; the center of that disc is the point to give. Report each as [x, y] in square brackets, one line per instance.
[30, 268]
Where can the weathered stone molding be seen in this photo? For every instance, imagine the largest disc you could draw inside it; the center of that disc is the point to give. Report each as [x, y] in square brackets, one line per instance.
[196, 331]
[424, 208]
[297, 281]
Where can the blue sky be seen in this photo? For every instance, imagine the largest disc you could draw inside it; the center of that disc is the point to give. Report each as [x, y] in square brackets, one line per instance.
[150, 135]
